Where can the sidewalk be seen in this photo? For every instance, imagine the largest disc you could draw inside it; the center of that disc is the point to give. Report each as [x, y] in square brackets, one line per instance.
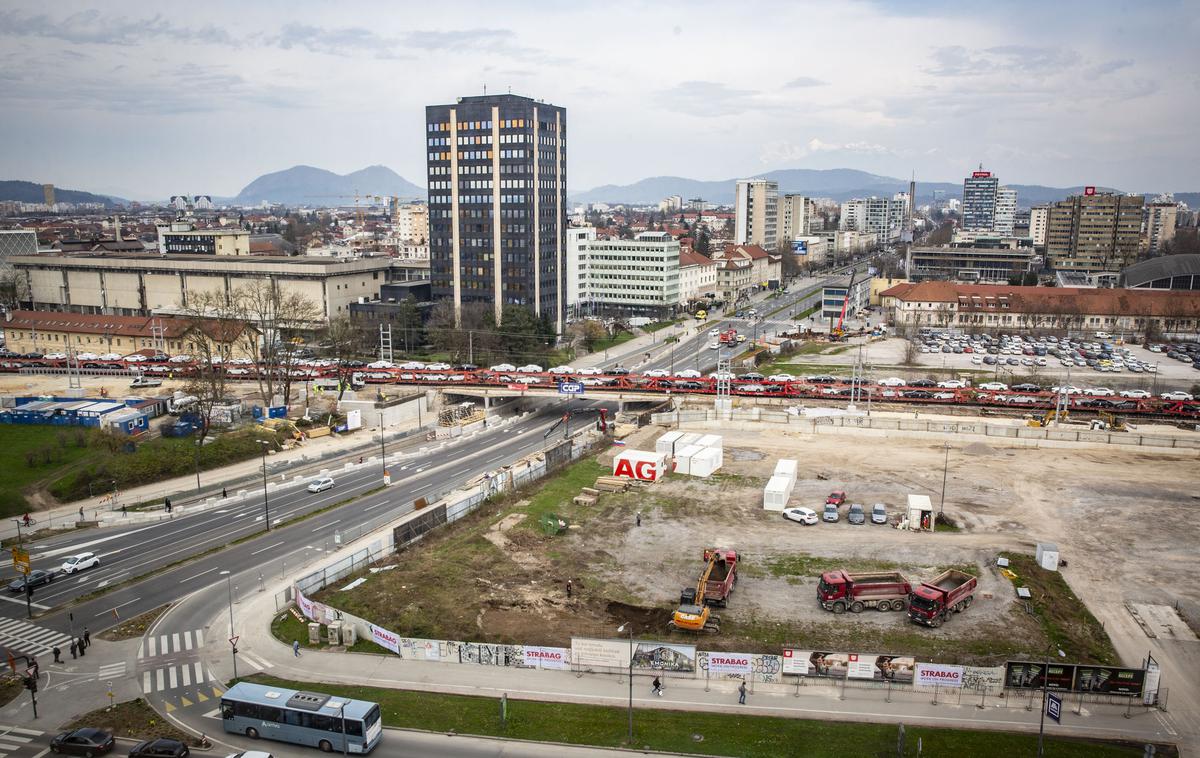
[814, 699]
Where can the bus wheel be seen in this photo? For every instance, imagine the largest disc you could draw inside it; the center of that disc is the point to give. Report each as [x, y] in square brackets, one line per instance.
[325, 746]
[251, 732]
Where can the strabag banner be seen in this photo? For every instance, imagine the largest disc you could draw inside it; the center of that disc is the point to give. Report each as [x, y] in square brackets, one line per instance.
[938, 674]
[385, 639]
[729, 663]
[546, 657]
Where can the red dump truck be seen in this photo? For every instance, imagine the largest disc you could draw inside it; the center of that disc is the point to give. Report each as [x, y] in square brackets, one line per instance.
[932, 603]
[839, 591]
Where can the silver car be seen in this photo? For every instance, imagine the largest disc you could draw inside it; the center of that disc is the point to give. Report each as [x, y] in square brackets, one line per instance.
[856, 515]
[879, 514]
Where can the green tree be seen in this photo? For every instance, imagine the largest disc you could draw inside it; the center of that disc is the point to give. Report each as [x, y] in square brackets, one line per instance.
[702, 243]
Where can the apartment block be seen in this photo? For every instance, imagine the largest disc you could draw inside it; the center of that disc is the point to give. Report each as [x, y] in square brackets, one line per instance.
[1094, 231]
[1160, 226]
[795, 216]
[638, 277]
[756, 214]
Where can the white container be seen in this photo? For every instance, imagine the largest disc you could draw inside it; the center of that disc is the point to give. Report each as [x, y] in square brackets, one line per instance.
[706, 462]
[640, 464]
[711, 440]
[777, 493]
[667, 443]
[683, 458]
[920, 513]
[787, 467]
[688, 438]
[1047, 556]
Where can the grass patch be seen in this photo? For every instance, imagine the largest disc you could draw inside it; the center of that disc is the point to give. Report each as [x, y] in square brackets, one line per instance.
[134, 719]
[1063, 617]
[606, 342]
[556, 494]
[134, 627]
[289, 626]
[657, 325]
[32, 455]
[802, 564]
[676, 731]
[807, 312]
[10, 688]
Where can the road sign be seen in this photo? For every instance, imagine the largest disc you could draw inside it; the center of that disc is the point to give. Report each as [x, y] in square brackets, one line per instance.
[570, 388]
[1054, 707]
[233, 640]
[20, 560]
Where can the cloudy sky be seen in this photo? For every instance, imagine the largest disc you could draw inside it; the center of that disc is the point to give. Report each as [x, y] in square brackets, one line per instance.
[151, 99]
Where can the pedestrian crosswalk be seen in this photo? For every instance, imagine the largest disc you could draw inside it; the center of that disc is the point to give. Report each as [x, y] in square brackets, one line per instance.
[168, 644]
[166, 678]
[24, 637]
[13, 738]
[111, 671]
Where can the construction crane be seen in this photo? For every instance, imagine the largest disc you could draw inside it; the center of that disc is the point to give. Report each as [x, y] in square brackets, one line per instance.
[360, 213]
[836, 333]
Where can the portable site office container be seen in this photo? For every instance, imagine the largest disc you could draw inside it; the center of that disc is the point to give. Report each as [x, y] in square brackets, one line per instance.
[777, 493]
[787, 467]
[706, 462]
[711, 440]
[665, 443]
[683, 458]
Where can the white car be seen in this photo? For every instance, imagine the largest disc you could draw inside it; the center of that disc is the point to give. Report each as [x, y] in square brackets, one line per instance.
[561, 370]
[1175, 396]
[80, 562]
[437, 367]
[1099, 392]
[750, 388]
[714, 332]
[111, 357]
[237, 371]
[952, 384]
[320, 485]
[977, 360]
[504, 367]
[86, 357]
[994, 386]
[713, 345]
[892, 381]
[180, 359]
[590, 372]
[410, 366]
[801, 515]
[1066, 389]
[380, 364]
[529, 368]
[1137, 394]
[55, 356]
[781, 378]
[688, 373]
[654, 373]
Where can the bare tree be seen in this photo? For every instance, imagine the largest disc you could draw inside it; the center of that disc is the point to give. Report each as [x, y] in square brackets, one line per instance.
[277, 320]
[345, 344]
[14, 289]
[214, 329]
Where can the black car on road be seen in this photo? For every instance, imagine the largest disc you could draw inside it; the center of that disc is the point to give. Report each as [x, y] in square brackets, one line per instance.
[160, 748]
[36, 578]
[86, 741]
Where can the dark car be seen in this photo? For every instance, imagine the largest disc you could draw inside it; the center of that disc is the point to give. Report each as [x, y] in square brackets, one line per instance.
[752, 377]
[922, 383]
[618, 371]
[86, 741]
[355, 364]
[36, 578]
[1026, 388]
[466, 367]
[856, 514]
[688, 385]
[160, 748]
[917, 394]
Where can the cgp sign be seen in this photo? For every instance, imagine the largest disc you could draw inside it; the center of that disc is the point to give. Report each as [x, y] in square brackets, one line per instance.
[570, 388]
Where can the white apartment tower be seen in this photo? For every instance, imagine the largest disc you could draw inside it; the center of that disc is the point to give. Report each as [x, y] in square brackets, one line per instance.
[757, 213]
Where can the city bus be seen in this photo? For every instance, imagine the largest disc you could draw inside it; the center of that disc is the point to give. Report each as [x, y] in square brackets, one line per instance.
[304, 718]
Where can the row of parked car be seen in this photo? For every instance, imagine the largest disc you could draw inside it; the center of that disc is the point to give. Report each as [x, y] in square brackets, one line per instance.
[856, 514]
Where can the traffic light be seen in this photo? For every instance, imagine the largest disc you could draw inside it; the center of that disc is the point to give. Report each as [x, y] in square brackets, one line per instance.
[31, 684]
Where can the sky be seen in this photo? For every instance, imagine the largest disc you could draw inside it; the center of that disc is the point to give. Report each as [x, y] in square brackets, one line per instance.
[146, 100]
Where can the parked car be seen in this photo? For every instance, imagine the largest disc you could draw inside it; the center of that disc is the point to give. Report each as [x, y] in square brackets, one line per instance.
[36, 578]
[781, 378]
[1099, 392]
[1137, 394]
[879, 514]
[801, 515]
[856, 514]
[85, 741]
[561, 370]
[892, 381]
[952, 384]
[80, 562]
[993, 386]
[654, 373]
[504, 367]
[160, 748]
[1176, 396]
[56, 356]
[1027, 387]
[837, 497]
[320, 485]
[688, 373]
[831, 512]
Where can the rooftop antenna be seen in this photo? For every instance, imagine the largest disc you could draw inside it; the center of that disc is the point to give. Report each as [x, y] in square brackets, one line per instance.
[485, 89]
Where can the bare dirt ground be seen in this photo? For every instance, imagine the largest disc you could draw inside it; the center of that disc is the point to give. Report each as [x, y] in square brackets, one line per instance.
[1118, 517]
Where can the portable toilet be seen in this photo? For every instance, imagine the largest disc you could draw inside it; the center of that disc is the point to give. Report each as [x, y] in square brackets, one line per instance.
[1047, 556]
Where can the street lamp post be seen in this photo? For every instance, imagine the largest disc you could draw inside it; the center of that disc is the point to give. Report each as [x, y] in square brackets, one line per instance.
[382, 449]
[266, 503]
[197, 464]
[945, 471]
[621, 629]
[233, 645]
[1045, 678]
[342, 713]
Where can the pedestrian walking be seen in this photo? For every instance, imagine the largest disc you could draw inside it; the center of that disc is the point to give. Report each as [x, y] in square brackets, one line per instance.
[656, 687]
[742, 693]
[82, 649]
[57, 654]
[224, 492]
[296, 648]
[639, 518]
[81, 513]
[124, 512]
[569, 587]
[167, 504]
[73, 648]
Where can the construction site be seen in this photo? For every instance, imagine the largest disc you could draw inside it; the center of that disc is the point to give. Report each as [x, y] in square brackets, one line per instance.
[625, 536]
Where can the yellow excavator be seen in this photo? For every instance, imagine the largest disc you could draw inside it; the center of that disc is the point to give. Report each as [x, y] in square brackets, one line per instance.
[1047, 418]
[720, 574]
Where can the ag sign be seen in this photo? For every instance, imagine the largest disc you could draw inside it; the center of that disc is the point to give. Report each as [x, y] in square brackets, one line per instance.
[570, 388]
[639, 464]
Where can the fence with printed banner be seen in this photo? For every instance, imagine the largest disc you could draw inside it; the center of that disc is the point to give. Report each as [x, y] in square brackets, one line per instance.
[1108, 680]
[815, 663]
[938, 675]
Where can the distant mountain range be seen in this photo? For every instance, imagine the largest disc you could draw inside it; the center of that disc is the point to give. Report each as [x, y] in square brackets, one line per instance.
[837, 184]
[306, 185]
[30, 192]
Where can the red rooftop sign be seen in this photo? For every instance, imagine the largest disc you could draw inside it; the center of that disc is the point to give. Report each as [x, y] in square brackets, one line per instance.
[1089, 191]
[980, 174]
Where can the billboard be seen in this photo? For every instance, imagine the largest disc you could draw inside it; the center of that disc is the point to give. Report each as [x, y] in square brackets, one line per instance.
[896, 668]
[799, 247]
[981, 174]
[727, 663]
[546, 657]
[1089, 191]
[591, 652]
[938, 674]
[664, 656]
[1112, 680]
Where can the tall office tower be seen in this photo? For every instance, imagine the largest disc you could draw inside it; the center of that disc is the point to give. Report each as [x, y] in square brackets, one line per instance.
[1006, 211]
[979, 201]
[757, 213]
[1094, 231]
[1160, 225]
[497, 203]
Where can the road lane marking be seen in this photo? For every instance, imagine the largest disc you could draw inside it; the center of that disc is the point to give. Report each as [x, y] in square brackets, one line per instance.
[319, 528]
[122, 605]
[197, 576]
[268, 547]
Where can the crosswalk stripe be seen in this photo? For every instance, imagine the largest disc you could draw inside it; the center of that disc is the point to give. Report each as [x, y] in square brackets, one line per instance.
[30, 637]
[159, 677]
[146, 682]
[174, 679]
[175, 641]
[19, 730]
[187, 675]
[187, 640]
[6, 747]
[199, 672]
[163, 642]
[141, 645]
[150, 647]
[199, 638]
